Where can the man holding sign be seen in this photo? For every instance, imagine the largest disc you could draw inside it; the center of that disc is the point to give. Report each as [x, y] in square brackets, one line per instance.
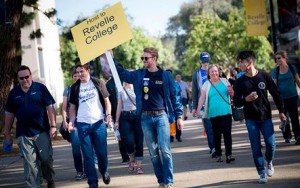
[155, 91]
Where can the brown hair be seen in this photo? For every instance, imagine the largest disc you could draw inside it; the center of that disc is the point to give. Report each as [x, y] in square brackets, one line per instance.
[152, 51]
[85, 66]
[282, 53]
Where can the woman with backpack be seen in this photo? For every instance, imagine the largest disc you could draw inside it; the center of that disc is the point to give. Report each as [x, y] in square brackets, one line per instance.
[287, 79]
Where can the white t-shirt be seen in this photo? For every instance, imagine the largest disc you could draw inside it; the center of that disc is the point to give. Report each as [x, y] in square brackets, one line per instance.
[90, 109]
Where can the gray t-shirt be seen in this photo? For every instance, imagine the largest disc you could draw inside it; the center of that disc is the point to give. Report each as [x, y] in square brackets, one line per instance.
[184, 89]
[126, 102]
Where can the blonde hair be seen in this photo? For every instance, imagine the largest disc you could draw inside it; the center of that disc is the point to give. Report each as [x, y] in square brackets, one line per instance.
[210, 67]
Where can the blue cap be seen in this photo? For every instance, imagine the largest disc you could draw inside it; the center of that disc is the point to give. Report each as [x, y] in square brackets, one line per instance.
[204, 57]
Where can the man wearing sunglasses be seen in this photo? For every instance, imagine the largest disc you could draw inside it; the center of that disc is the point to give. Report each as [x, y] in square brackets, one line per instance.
[32, 105]
[156, 97]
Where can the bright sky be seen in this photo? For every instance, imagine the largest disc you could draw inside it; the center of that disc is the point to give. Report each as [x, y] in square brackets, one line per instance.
[152, 15]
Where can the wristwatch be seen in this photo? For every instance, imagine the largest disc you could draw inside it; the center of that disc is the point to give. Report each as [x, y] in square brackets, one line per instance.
[179, 117]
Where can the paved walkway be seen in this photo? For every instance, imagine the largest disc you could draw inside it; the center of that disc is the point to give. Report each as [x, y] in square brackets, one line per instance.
[193, 166]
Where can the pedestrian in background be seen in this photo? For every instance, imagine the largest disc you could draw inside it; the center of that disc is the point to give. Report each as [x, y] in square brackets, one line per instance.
[251, 91]
[185, 94]
[155, 89]
[91, 108]
[287, 79]
[215, 94]
[113, 98]
[32, 105]
[130, 126]
[199, 77]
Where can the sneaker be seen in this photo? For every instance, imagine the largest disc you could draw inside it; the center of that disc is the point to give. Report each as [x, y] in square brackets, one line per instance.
[220, 160]
[213, 153]
[270, 169]
[94, 185]
[106, 178]
[262, 178]
[161, 185]
[125, 162]
[79, 176]
[169, 186]
[287, 140]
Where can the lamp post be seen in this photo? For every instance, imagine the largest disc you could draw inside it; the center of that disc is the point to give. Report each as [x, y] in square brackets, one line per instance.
[273, 26]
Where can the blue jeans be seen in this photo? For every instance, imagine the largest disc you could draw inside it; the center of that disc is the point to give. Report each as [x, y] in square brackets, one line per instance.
[209, 132]
[76, 150]
[93, 137]
[156, 130]
[131, 130]
[266, 128]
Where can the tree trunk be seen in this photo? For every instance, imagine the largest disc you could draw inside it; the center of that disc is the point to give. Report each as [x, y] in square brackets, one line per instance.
[10, 51]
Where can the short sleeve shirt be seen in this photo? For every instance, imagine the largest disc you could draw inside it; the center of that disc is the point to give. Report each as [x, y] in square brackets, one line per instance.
[30, 109]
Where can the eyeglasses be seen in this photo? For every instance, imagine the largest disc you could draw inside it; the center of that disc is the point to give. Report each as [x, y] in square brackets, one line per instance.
[145, 58]
[25, 77]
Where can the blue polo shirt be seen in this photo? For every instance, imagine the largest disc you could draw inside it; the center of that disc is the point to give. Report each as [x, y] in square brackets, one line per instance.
[30, 109]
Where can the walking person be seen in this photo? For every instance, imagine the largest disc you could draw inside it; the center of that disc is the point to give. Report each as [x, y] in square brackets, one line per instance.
[215, 94]
[32, 105]
[113, 98]
[286, 78]
[156, 95]
[90, 107]
[199, 77]
[130, 126]
[251, 91]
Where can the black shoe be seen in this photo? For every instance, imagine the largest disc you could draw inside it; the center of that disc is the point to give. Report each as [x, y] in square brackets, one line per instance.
[51, 184]
[171, 139]
[229, 159]
[179, 139]
[106, 178]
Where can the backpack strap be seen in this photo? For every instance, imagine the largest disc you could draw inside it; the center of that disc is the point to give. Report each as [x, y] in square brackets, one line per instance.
[291, 68]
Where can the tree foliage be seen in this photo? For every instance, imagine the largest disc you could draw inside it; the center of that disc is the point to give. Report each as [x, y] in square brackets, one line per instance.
[223, 39]
[10, 44]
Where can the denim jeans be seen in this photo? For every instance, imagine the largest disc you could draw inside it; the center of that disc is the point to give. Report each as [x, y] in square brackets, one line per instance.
[156, 131]
[131, 130]
[37, 155]
[291, 108]
[209, 132]
[93, 137]
[266, 128]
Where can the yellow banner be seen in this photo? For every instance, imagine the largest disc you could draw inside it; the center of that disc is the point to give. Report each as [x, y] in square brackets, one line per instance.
[105, 30]
[256, 17]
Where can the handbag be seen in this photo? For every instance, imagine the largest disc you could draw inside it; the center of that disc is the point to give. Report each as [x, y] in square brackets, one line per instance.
[237, 113]
[65, 133]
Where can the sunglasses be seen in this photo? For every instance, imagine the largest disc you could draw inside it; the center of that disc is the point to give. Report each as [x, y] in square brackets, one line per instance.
[145, 58]
[25, 77]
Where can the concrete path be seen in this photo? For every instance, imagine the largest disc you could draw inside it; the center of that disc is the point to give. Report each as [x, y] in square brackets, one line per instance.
[193, 166]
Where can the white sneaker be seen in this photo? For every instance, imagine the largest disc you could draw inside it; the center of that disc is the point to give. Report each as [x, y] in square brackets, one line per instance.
[262, 178]
[269, 169]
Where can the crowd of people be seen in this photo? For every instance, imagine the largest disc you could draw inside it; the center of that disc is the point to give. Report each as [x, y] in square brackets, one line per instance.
[150, 100]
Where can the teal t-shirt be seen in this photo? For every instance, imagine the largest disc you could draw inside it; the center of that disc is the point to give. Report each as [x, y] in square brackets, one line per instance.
[216, 105]
[286, 83]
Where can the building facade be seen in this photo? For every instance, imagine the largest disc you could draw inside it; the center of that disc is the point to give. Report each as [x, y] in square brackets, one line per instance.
[42, 55]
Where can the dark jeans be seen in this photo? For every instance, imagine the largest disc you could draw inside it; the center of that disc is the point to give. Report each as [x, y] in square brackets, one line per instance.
[222, 125]
[291, 107]
[130, 128]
